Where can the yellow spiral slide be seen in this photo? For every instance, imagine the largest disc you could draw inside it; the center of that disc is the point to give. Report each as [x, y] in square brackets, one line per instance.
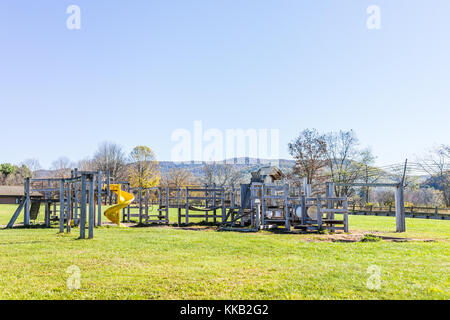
[124, 200]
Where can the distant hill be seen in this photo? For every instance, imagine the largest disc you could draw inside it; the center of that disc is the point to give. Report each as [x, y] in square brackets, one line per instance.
[245, 165]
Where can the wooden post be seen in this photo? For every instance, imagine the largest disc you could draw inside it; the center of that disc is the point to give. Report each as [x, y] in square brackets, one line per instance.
[305, 186]
[214, 203]
[99, 198]
[128, 209]
[346, 216]
[319, 213]
[187, 205]
[330, 203]
[224, 210]
[178, 206]
[286, 207]
[124, 212]
[47, 206]
[47, 214]
[108, 189]
[91, 207]
[146, 207]
[26, 216]
[75, 214]
[206, 202]
[258, 213]
[304, 210]
[400, 209]
[263, 207]
[61, 205]
[83, 207]
[69, 207]
[167, 204]
[140, 205]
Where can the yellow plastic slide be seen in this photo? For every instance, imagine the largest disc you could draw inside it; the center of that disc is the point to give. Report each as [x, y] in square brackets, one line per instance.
[124, 200]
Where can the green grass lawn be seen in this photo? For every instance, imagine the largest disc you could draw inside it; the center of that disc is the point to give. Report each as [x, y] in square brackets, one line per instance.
[175, 263]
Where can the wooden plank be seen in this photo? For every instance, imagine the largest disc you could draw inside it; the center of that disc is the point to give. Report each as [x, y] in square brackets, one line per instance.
[199, 216]
[334, 210]
[366, 184]
[16, 213]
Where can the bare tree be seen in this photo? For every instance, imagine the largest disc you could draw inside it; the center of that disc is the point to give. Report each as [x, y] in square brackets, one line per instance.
[437, 165]
[342, 154]
[176, 178]
[62, 167]
[32, 164]
[110, 157]
[309, 150]
[87, 165]
[220, 174]
[348, 164]
[370, 173]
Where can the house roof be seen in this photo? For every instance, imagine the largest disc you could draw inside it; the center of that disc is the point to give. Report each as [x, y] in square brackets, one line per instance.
[16, 191]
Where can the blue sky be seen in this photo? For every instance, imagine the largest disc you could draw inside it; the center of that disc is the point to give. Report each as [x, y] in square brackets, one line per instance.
[138, 70]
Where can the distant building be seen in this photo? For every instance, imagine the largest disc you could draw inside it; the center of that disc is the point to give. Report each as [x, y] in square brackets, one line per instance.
[13, 194]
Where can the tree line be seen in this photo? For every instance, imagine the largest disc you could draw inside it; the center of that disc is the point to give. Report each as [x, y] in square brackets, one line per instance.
[338, 157]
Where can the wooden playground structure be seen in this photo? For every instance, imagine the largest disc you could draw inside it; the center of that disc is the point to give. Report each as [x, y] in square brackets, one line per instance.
[249, 207]
[261, 204]
[79, 198]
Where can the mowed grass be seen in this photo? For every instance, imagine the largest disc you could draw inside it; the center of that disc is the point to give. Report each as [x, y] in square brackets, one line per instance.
[177, 263]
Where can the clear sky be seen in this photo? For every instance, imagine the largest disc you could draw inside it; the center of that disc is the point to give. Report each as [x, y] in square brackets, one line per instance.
[138, 70]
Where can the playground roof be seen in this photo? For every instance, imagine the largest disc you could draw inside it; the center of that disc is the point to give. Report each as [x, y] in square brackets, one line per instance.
[16, 191]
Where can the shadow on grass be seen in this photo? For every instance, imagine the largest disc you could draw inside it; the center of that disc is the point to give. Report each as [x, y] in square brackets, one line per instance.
[34, 226]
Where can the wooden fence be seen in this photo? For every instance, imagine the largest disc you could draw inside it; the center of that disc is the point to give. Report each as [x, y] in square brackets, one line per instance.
[410, 211]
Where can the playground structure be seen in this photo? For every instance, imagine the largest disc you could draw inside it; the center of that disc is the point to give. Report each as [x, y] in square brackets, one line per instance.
[251, 207]
[79, 198]
[270, 204]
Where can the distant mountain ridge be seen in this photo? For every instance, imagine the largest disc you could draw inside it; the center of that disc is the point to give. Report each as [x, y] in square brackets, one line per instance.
[245, 165]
